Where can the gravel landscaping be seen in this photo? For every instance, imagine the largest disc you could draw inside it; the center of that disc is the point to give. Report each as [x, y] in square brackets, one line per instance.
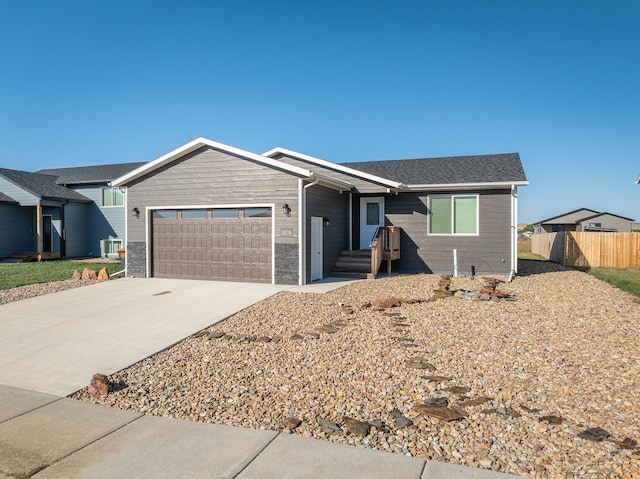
[543, 382]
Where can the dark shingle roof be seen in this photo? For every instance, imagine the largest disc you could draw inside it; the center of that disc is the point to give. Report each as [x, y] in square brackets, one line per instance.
[6, 198]
[499, 168]
[42, 186]
[82, 175]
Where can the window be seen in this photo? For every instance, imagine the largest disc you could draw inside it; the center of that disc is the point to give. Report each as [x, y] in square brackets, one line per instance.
[454, 215]
[112, 197]
[225, 213]
[257, 213]
[110, 247]
[165, 214]
[194, 214]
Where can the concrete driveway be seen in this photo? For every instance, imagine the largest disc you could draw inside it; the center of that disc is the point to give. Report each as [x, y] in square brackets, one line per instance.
[55, 343]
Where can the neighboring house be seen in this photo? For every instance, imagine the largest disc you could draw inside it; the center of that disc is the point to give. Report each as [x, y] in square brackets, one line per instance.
[67, 212]
[584, 219]
[105, 218]
[211, 211]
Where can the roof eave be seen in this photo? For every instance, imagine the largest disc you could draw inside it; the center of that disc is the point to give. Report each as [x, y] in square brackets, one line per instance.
[197, 144]
[334, 166]
[467, 186]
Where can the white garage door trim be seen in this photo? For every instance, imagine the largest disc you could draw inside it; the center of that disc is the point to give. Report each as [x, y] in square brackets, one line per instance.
[148, 214]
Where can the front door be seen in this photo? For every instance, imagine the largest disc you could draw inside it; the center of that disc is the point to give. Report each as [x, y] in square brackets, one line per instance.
[47, 234]
[371, 217]
[316, 247]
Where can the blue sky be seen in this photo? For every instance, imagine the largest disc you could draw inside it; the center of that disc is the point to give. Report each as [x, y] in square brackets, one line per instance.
[87, 83]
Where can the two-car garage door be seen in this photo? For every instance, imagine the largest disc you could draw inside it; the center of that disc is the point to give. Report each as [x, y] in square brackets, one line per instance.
[228, 244]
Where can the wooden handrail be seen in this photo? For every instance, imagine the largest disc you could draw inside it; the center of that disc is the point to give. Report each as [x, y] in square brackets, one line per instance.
[385, 245]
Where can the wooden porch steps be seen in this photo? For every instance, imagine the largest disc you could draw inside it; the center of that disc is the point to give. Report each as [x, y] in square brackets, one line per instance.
[353, 264]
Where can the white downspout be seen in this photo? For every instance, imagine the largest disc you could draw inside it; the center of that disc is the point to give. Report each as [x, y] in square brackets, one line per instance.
[514, 232]
[302, 225]
[350, 222]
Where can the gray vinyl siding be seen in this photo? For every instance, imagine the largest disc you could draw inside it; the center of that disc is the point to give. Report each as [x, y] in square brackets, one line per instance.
[329, 204]
[102, 222]
[75, 224]
[21, 195]
[210, 177]
[362, 186]
[17, 229]
[608, 221]
[489, 252]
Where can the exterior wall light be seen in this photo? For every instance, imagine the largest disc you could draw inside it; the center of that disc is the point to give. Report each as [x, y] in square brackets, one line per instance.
[326, 221]
[135, 212]
[286, 210]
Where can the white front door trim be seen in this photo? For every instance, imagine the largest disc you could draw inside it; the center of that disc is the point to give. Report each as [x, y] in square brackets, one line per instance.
[367, 230]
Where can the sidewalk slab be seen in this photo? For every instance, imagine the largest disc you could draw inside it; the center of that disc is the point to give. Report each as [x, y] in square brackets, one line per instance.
[15, 402]
[441, 470]
[290, 456]
[35, 440]
[164, 448]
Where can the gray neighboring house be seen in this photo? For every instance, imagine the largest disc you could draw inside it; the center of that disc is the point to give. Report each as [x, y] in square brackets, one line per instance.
[584, 219]
[66, 212]
[207, 210]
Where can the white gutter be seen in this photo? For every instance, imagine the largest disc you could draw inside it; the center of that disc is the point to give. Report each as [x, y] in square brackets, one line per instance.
[350, 222]
[467, 186]
[333, 166]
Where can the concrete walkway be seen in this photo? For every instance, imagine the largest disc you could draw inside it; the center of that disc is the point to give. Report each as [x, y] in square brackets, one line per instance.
[47, 437]
[50, 346]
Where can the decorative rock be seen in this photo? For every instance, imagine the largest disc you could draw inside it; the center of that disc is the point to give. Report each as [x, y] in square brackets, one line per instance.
[103, 275]
[292, 422]
[476, 401]
[326, 328]
[89, 274]
[439, 401]
[419, 363]
[263, 339]
[459, 389]
[76, 276]
[445, 413]
[437, 378]
[379, 425]
[355, 427]
[627, 443]
[99, 385]
[296, 337]
[312, 334]
[329, 427]
[596, 434]
[402, 422]
[386, 303]
[552, 419]
[216, 335]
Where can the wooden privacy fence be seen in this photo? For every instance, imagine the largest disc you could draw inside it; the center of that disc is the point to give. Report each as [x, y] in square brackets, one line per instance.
[589, 249]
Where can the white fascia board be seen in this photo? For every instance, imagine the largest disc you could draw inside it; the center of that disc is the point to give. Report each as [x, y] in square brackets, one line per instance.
[334, 166]
[199, 143]
[467, 186]
[331, 182]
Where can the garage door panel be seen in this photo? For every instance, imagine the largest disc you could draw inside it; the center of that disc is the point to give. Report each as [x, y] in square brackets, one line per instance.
[227, 249]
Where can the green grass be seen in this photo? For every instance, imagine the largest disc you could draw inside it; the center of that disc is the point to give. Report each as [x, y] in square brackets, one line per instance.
[21, 274]
[524, 251]
[627, 279]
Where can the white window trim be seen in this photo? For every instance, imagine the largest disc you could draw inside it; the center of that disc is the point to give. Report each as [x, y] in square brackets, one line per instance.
[112, 189]
[148, 219]
[477, 197]
[104, 250]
